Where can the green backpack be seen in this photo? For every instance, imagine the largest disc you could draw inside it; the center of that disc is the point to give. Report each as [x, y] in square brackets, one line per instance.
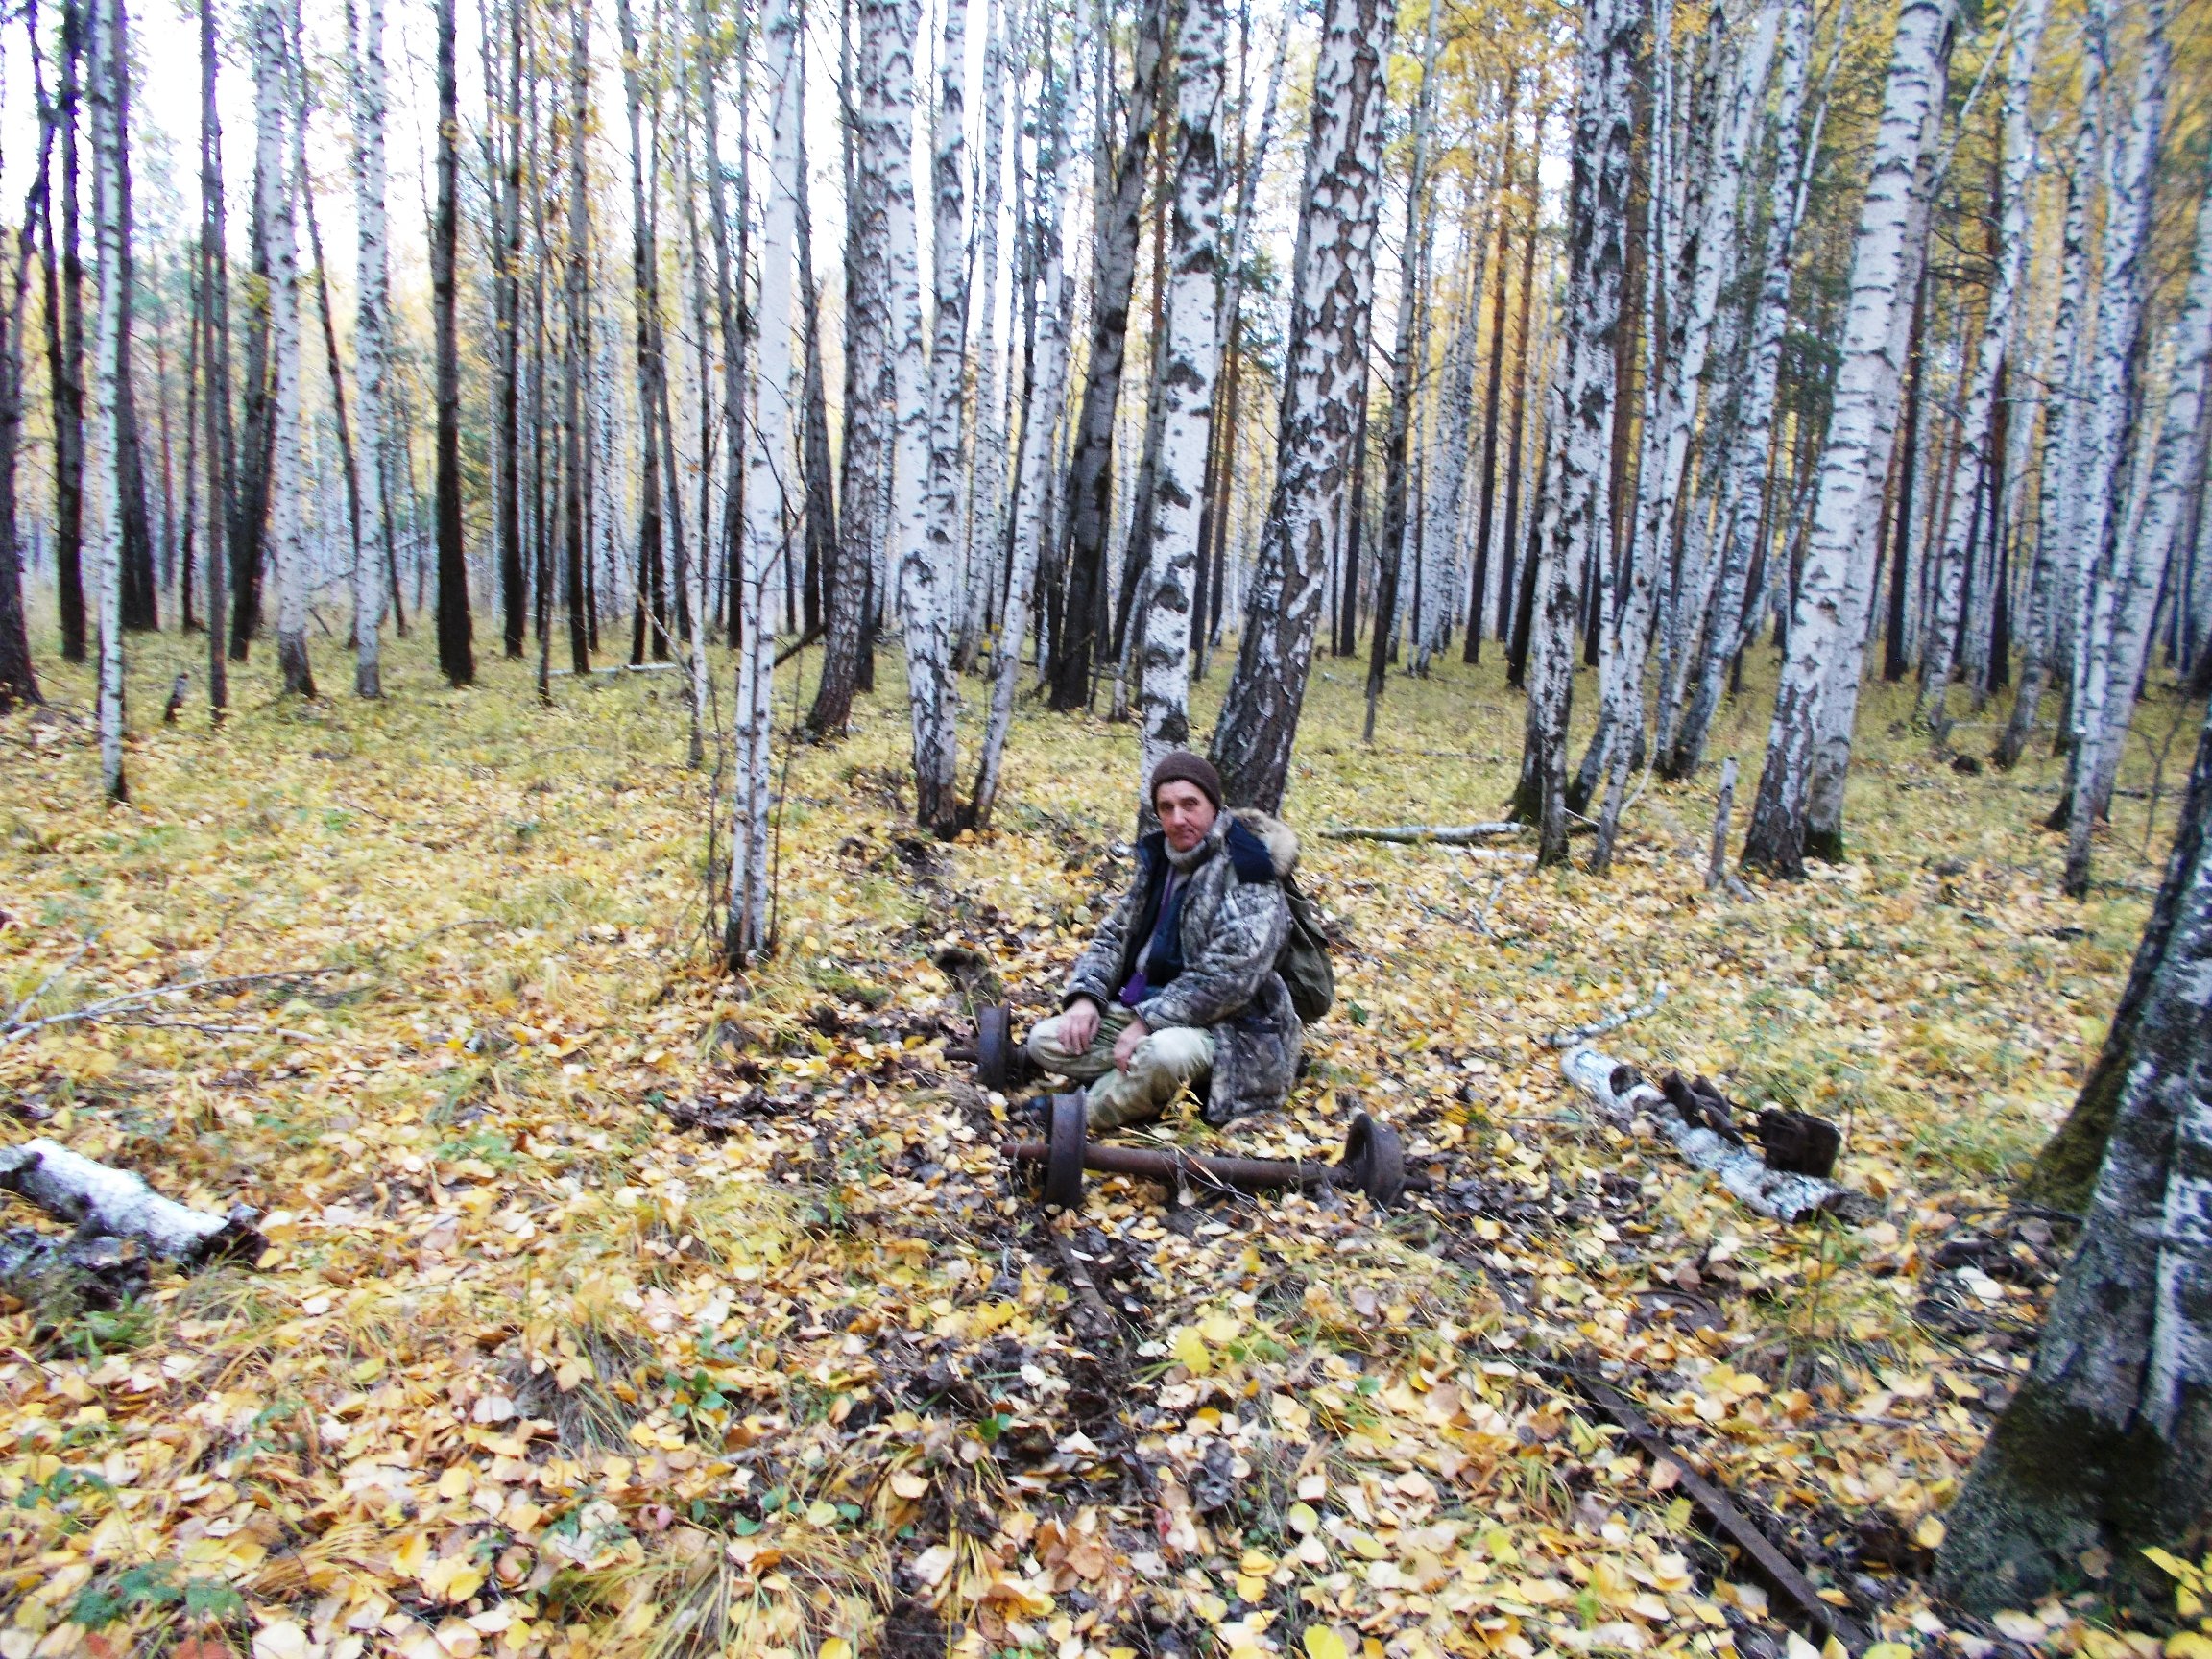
[1304, 962]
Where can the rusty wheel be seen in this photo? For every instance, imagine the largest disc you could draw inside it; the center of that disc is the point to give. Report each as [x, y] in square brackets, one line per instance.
[995, 1050]
[1064, 1169]
[1374, 1159]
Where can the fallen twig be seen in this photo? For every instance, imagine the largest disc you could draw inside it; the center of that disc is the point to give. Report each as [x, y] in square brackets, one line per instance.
[46, 984]
[1424, 834]
[130, 1001]
[1776, 1195]
[1611, 1021]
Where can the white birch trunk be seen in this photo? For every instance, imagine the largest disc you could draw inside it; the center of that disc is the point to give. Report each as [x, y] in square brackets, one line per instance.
[1576, 511]
[287, 546]
[1039, 453]
[2051, 631]
[772, 495]
[1827, 623]
[944, 545]
[1837, 712]
[368, 342]
[103, 499]
[1971, 472]
[2114, 565]
[2159, 507]
[1710, 231]
[115, 1203]
[1689, 601]
[887, 29]
[1188, 365]
[987, 471]
[1748, 483]
[1324, 387]
[2103, 1443]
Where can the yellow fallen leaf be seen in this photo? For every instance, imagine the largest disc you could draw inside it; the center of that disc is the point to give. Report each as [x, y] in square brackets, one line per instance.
[455, 1578]
[909, 1485]
[2188, 1645]
[836, 1648]
[1323, 1643]
[2018, 1626]
[1189, 1351]
[1929, 1534]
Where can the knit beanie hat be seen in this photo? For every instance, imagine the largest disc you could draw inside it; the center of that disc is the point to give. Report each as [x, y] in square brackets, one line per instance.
[1185, 767]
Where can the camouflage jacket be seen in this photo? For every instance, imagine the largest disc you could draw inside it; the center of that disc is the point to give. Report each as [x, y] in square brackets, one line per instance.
[1232, 928]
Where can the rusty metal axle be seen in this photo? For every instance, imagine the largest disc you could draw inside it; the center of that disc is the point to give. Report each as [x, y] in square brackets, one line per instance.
[1374, 1162]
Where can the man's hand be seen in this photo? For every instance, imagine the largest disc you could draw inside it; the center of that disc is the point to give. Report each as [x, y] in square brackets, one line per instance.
[1125, 1046]
[1078, 1025]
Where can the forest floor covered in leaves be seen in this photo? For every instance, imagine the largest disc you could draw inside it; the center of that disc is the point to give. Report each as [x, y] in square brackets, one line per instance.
[531, 1369]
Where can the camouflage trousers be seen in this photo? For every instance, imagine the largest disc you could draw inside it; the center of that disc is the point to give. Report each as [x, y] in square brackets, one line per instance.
[1163, 1063]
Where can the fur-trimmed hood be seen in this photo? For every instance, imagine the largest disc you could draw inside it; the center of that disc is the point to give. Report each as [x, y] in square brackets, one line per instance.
[1262, 848]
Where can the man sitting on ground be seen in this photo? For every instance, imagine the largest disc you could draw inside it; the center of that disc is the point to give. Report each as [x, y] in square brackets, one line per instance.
[1180, 985]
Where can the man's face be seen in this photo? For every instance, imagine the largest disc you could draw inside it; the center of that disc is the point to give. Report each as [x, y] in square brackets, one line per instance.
[1185, 814]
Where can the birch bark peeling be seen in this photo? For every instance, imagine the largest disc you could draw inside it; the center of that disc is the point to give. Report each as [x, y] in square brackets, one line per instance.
[1623, 1097]
[96, 1197]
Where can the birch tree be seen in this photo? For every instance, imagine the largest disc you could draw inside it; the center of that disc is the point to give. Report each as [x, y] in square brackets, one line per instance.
[1707, 260]
[1971, 474]
[1725, 622]
[456, 640]
[1090, 478]
[1323, 390]
[2104, 1444]
[1189, 365]
[2121, 586]
[19, 677]
[866, 455]
[1575, 513]
[1412, 313]
[942, 548]
[106, 66]
[287, 552]
[1827, 628]
[1047, 398]
[987, 470]
[369, 343]
[769, 474]
[887, 34]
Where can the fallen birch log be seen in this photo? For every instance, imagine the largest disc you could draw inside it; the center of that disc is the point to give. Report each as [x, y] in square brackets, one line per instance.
[118, 1204]
[1776, 1195]
[1424, 834]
